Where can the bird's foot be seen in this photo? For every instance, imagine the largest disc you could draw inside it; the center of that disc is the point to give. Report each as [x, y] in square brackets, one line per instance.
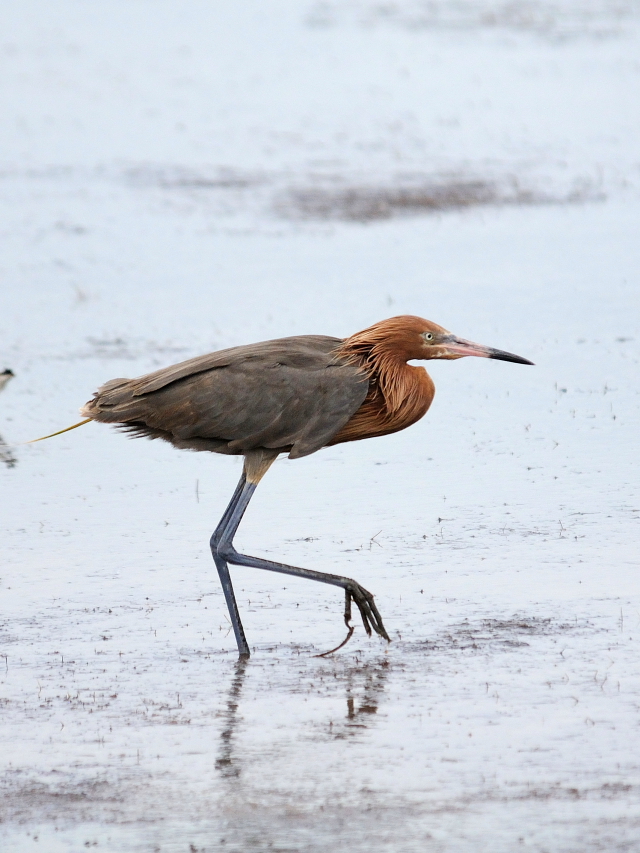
[368, 611]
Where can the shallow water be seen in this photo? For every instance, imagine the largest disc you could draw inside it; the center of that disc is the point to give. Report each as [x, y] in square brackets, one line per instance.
[151, 155]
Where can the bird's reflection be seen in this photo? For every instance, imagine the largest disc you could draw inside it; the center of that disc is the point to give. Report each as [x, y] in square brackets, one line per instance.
[363, 685]
[225, 762]
[364, 688]
[6, 455]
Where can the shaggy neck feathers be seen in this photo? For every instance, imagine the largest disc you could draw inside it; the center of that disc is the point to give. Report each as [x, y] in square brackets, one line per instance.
[399, 394]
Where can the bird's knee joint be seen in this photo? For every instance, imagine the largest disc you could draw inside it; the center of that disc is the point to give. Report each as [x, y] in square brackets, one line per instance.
[226, 551]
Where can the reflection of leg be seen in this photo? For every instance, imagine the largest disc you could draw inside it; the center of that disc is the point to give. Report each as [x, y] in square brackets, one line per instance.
[371, 618]
[374, 687]
[6, 455]
[225, 761]
[374, 677]
[223, 572]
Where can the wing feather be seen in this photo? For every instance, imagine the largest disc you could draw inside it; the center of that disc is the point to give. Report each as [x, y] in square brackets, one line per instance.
[290, 394]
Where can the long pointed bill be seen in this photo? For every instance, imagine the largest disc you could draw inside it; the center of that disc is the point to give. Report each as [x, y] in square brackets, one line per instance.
[458, 347]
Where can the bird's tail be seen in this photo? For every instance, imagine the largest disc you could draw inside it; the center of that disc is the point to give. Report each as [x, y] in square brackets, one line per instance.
[60, 431]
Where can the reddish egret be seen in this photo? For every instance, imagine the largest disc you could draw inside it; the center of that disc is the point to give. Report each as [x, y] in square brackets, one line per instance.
[292, 395]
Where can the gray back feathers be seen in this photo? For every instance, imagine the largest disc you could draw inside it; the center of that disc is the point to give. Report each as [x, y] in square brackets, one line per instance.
[289, 394]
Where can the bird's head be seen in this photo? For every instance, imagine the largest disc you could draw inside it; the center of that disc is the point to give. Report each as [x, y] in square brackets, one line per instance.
[409, 338]
[432, 341]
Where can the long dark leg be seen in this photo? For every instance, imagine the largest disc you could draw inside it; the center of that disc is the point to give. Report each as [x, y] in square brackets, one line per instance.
[217, 533]
[223, 571]
[226, 553]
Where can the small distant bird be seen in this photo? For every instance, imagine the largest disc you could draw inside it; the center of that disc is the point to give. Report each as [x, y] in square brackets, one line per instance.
[5, 376]
[292, 395]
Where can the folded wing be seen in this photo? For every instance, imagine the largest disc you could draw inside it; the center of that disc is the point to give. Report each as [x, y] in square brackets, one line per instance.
[291, 394]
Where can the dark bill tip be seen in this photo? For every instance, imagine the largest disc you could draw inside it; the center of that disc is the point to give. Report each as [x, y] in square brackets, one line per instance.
[457, 348]
[508, 356]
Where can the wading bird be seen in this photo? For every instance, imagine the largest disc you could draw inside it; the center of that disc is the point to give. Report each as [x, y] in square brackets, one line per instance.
[292, 395]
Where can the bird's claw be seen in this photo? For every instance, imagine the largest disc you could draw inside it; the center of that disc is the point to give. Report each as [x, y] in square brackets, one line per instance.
[343, 643]
[368, 611]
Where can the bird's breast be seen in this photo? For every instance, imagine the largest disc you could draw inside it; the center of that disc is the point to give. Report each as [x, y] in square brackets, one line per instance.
[396, 400]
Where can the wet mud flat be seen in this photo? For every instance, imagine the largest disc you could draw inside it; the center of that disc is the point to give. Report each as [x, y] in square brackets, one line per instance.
[421, 745]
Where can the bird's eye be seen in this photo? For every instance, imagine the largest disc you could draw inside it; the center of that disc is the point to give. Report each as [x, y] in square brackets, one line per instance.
[428, 336]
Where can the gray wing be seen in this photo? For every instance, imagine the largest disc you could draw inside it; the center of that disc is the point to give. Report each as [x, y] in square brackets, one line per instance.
[290, 393]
